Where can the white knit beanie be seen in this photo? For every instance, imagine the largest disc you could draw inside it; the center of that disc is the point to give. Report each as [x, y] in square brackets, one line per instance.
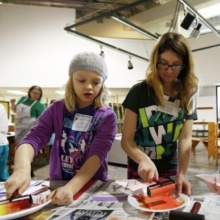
[89, 61]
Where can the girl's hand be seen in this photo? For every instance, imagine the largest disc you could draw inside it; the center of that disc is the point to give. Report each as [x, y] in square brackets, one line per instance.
[183, 185]
[61, 196]
[17, 182]
[148, 171]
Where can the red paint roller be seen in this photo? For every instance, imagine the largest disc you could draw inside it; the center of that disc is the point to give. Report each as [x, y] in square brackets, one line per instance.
[161, 188]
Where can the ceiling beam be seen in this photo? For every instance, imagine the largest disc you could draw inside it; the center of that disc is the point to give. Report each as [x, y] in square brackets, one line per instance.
[80, 4]
[101, 43]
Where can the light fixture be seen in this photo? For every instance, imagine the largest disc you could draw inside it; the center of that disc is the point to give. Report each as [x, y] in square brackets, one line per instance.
[187, 21]
[17, 92]
[200, 17]
[130, 65]
[196, 31]
[102, 54]
[60, 92]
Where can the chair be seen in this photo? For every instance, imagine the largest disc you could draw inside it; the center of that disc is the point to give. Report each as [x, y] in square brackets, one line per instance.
[211, 143]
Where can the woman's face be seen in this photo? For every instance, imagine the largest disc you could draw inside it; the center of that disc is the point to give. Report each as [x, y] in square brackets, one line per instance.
[169, 66]
[87, 85]
[35, 94]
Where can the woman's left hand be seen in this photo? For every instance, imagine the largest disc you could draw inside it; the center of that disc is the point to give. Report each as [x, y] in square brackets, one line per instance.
[183, 185]
[61, 196]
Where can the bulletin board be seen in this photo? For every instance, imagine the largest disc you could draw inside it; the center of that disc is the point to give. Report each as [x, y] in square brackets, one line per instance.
[7, 107]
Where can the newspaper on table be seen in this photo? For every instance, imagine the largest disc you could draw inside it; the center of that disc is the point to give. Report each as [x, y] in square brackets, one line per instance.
[108, 202]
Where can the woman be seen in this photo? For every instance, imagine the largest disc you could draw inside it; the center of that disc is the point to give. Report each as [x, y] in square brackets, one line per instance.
[84, 128]
[27, 109]
[159, 114]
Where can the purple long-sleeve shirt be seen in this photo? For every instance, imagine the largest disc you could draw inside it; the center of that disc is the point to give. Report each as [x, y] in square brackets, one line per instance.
[51, 121]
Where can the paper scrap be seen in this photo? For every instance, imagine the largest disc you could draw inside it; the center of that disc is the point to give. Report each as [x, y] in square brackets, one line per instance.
[116, 187]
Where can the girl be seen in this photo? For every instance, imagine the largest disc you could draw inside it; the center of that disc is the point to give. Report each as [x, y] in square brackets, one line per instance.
[159, 114]
[84, 128]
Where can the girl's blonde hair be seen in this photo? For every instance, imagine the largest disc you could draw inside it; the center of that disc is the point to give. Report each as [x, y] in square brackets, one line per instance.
[186, 83]
[70, 97]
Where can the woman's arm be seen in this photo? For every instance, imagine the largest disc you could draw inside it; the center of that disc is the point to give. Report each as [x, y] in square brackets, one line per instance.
[13, 106]
[184, 150]
[146, 169]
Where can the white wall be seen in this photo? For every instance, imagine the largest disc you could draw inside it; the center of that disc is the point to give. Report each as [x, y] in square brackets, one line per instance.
[207, 114]
[207, 61]
[35, 49]
[32, 49]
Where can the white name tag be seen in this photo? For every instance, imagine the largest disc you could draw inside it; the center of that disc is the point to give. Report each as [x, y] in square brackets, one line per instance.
[171, 108]
[81, 122]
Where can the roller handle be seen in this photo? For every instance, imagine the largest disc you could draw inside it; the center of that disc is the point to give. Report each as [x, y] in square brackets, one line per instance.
[179, 215]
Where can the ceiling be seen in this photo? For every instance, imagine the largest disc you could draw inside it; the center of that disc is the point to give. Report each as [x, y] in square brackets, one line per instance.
[132, 10]
[142, 19]
[152, 16]
[87, 7]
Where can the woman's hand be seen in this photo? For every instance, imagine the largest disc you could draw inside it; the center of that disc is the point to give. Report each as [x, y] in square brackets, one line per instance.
[61, 196]
[183, 185]
[147, 171]
[17, 182]
[13, 101]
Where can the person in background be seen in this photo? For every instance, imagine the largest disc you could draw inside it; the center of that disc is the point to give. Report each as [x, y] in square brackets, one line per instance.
[27, 109]
[53, 135]
[159, 114]
[4, 148]
[84, 128]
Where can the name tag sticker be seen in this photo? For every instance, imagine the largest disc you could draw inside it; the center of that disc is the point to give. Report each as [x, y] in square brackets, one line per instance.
[81, 122]
[171, 108]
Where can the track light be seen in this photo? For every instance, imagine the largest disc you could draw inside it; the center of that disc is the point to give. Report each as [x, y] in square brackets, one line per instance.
[102, 54]
[195, 31]
[130, 65]
[187, 21]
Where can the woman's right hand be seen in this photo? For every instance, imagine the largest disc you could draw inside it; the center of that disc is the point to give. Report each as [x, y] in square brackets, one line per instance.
[13, 100]
[147, 171]
[17, 182]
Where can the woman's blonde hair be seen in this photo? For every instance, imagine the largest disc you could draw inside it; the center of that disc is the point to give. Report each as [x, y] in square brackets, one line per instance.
[70, 97]
[187, 82]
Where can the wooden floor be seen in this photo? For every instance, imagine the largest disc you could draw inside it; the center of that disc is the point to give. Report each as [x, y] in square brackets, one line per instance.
[199, 164]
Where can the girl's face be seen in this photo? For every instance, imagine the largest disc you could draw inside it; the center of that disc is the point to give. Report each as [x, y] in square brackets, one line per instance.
[87, 85]
[169, 66]
[35, 94]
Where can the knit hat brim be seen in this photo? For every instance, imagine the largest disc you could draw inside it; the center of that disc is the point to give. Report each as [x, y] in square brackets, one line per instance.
[89, 61]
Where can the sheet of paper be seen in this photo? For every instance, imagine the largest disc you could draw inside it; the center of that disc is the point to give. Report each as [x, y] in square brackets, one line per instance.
[117, 187]
[212, 181]
[34, 186]
[135, 185]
